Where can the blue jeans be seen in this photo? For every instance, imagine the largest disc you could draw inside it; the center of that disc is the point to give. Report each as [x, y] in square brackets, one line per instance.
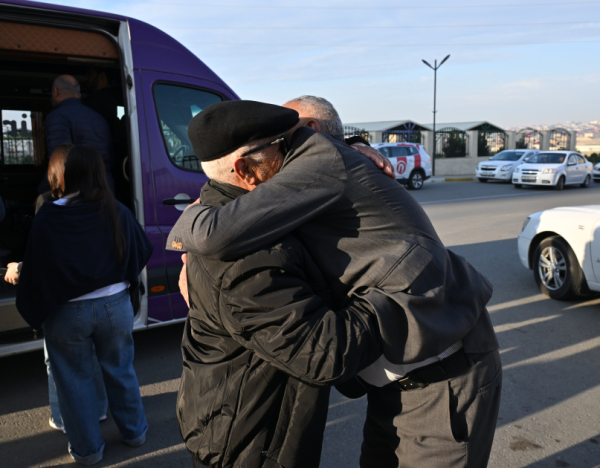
[71, 334]
[53, 396]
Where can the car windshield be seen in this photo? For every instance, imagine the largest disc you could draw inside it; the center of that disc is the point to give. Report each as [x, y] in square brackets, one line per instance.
[546, 158]
[508, 156]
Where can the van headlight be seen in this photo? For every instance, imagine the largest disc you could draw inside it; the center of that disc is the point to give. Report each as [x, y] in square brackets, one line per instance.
[506, 168]
[526, 223]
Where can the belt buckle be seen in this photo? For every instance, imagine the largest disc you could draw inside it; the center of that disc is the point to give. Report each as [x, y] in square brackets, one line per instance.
[410, 383]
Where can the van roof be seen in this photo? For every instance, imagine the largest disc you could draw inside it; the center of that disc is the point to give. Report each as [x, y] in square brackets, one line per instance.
[153, 49]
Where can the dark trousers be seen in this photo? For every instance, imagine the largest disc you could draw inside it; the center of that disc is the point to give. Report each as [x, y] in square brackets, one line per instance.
[449, 424]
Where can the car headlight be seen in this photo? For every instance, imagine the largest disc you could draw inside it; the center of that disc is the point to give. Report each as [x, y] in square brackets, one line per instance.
[597, 167]
[549, 171]
[506, 168]
[525, 223]
[517, 170]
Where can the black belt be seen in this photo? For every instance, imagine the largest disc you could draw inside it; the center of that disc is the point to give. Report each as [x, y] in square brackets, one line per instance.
[432, 373]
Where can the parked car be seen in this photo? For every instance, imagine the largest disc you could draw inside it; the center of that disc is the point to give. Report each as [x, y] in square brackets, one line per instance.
[554, 168]
[501, 165]
[410, 160]
[159, 86]
[596, 173]
[562, 247]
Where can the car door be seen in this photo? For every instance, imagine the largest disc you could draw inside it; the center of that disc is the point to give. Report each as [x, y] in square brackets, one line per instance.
[404, 164]
[170, 103]
[584, 168]
[595, 250]
[572, 170]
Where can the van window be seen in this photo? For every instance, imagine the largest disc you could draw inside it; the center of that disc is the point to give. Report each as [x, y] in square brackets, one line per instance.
[385, 151]
[176, 106]
[17, 138]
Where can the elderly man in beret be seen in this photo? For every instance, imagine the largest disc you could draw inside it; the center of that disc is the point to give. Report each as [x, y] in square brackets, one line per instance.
[434, 392]
[261, 345]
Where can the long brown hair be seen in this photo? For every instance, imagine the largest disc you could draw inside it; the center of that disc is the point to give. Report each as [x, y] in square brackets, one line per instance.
[85, 173]
[56, 169]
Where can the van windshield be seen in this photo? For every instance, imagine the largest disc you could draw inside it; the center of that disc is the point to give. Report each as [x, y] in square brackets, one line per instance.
[508, 156]
[546, 158]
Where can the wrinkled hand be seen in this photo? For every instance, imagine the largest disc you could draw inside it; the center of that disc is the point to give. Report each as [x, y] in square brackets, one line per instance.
[11, 275]
[183, 284]
[379, 159]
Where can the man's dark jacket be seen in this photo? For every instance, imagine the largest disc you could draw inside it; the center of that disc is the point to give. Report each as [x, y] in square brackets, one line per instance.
[73, 122]
[261, 347]
[368, 236]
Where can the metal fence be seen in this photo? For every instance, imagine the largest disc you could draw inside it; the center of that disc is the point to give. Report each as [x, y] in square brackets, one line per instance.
[560, 139]
[355, 131]
[452, 142]
[402, 136]
[529, 138]
[17, 150]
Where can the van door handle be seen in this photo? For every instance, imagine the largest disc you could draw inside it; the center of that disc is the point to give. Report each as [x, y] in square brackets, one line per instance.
[177, 201]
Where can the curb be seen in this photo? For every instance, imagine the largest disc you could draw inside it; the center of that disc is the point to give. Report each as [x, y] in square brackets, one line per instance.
[439, 180]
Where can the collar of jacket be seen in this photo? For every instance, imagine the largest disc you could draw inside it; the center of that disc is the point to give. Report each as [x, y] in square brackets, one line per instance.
[218, 193]
[68, 102]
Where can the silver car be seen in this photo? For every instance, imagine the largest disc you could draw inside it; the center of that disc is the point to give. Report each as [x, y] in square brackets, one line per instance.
[502, 165]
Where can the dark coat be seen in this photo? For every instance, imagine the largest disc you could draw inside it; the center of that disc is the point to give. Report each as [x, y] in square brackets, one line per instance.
[368, 236]
[71, 252]
[73, 122]
[260, 348]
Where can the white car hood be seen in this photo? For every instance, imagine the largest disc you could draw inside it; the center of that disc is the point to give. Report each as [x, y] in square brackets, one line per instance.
[540, 166]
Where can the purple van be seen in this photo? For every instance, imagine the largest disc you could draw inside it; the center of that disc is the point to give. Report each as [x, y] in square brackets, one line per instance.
[156, 86]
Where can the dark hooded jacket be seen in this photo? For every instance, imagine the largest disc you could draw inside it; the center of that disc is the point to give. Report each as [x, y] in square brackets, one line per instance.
[261, 347]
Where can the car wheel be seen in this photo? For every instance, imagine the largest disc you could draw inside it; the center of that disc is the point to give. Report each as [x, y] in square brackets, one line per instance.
[560, 184]
[415, 181]
[482, 180]
[518, 185]
[586, 182]
[556, 269]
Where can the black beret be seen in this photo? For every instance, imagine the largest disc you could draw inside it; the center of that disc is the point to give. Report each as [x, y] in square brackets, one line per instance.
[223, 127]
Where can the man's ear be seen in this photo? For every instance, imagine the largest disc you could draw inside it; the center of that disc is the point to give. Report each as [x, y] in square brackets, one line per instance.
[314, 124]
[241, 166]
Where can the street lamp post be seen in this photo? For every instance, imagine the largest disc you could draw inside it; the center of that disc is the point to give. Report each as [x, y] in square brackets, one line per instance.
[435, 69]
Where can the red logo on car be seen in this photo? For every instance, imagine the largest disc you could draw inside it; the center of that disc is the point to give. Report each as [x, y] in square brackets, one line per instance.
[401, 165]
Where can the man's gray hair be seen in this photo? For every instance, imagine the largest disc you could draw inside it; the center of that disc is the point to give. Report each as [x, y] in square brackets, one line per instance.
[220, 169]
[64, 84]
[324, 112]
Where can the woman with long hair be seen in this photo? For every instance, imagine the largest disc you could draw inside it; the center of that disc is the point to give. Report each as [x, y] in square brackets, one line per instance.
[81, 268]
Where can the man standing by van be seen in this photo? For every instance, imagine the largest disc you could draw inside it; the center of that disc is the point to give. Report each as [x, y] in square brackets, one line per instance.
[434, 393]
[72, 122]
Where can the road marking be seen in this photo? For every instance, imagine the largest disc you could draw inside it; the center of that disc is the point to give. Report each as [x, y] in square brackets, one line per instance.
[340, 403]
[517, 325]
[341, 420]
[558, 354]
[517, 302]
[481, 198]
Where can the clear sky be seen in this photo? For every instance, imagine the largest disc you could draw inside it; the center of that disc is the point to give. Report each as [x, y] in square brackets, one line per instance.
[513, 63]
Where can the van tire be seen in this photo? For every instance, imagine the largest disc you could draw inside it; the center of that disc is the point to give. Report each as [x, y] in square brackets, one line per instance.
[416, 180]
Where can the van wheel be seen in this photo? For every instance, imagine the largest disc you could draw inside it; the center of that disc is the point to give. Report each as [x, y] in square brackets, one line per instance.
[556, 269]
[415, 181]
[560, 184]
[586, 182]
[482, 180]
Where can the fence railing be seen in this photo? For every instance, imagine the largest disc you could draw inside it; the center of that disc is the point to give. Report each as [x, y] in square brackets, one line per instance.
[17, 150]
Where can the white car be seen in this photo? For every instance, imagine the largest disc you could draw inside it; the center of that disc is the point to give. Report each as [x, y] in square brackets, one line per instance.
[501, 165]
[562, 247]
[596, 173]
[410, 160]
[554, 168]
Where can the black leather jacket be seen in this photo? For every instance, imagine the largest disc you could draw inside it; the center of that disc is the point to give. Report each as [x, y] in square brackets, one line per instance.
[261, 348]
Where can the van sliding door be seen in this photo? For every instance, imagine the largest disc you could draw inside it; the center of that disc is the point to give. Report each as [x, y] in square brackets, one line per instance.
[170, 102]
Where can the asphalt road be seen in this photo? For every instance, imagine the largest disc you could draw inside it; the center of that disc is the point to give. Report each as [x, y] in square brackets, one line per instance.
[549, 415]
